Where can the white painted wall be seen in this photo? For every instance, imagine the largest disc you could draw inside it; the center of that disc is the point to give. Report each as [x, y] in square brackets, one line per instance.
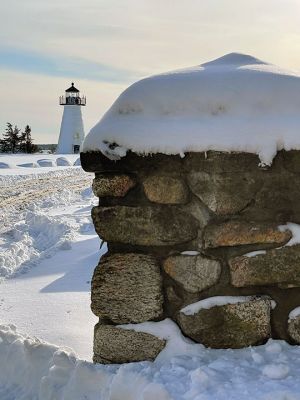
[71, 130]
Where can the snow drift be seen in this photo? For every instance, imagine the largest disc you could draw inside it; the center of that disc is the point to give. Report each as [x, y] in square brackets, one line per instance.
[33, 232]
[34, 370]
[234, 103]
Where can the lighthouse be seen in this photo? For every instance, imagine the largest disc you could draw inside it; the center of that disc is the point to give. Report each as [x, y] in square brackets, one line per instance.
[71, 130]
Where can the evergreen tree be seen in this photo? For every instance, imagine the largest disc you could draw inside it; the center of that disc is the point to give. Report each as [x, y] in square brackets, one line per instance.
[11, 139]
[52, 148]
[14, 141]
[5, 142]
[4, 146]
[22, 143]
[29, 147]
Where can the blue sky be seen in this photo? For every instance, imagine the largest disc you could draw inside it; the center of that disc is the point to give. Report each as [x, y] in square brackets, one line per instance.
[105, 45]
[27, 61]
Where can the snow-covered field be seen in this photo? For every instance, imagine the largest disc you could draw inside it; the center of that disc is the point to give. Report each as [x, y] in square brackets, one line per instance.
[48, 250]
[25, 164]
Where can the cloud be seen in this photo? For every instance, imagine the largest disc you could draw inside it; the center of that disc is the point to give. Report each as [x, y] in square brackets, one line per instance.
[70, 67]
[151, 36]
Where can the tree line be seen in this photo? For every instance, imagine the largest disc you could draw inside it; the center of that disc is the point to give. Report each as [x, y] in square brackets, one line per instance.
[15, 141]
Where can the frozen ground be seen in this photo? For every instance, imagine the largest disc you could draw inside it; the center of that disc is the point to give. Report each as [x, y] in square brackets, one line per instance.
[48, 250]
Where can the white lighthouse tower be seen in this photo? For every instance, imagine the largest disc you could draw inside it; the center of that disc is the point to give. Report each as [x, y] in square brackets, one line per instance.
[71, 130]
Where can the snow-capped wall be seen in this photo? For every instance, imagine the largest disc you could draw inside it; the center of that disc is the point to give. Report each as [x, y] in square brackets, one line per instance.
[199, 230]
[234, 103]
[210, 240]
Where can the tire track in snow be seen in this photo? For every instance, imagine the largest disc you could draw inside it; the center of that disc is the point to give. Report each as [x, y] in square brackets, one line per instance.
[37, 216]
[18, 193]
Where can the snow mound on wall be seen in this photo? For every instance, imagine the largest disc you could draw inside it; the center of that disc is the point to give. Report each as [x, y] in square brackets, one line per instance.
[63, 162]
[295, 313]
[25, 164]
[234, 103]
[295, 229]
[215, 301]
[45, 162]
[29, 165]
[4, 165]
[34, 370]
[77, 163]
[177, 344]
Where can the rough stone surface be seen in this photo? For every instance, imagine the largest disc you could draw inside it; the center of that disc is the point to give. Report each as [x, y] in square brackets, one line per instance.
[194, 273]
[231, 325]
[198, 210]
[291, 161]
[221, 162]
[224, 193]
[278, 198]
[96, 161]
[145, 226]
[126, 288]
[165, 190]
[294, 329]
[172, 299]
[237, 233]
[220, 204]
[112, 185]
[276, 267]
[113, 345]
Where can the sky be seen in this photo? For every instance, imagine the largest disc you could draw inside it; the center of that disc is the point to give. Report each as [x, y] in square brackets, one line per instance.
[106, 45]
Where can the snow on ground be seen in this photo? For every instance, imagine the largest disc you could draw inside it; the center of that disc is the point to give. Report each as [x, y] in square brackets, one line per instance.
[48, 250]
[38, 216]
[25, 164]
[34, 370]
[234, 103]
[52, 300]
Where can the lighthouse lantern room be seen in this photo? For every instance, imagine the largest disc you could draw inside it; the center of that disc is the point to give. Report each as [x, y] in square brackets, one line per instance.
[71, 130]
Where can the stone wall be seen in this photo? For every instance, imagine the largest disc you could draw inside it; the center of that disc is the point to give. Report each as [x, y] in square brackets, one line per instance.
[178, 231]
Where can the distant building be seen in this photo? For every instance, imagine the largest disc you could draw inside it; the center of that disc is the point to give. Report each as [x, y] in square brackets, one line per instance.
[71, 130]
[49, 147]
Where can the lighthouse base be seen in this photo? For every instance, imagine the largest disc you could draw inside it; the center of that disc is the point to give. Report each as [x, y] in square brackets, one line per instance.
[71, 132]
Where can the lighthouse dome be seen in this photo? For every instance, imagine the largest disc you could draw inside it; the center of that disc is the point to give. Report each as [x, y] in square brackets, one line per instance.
[72, 89]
